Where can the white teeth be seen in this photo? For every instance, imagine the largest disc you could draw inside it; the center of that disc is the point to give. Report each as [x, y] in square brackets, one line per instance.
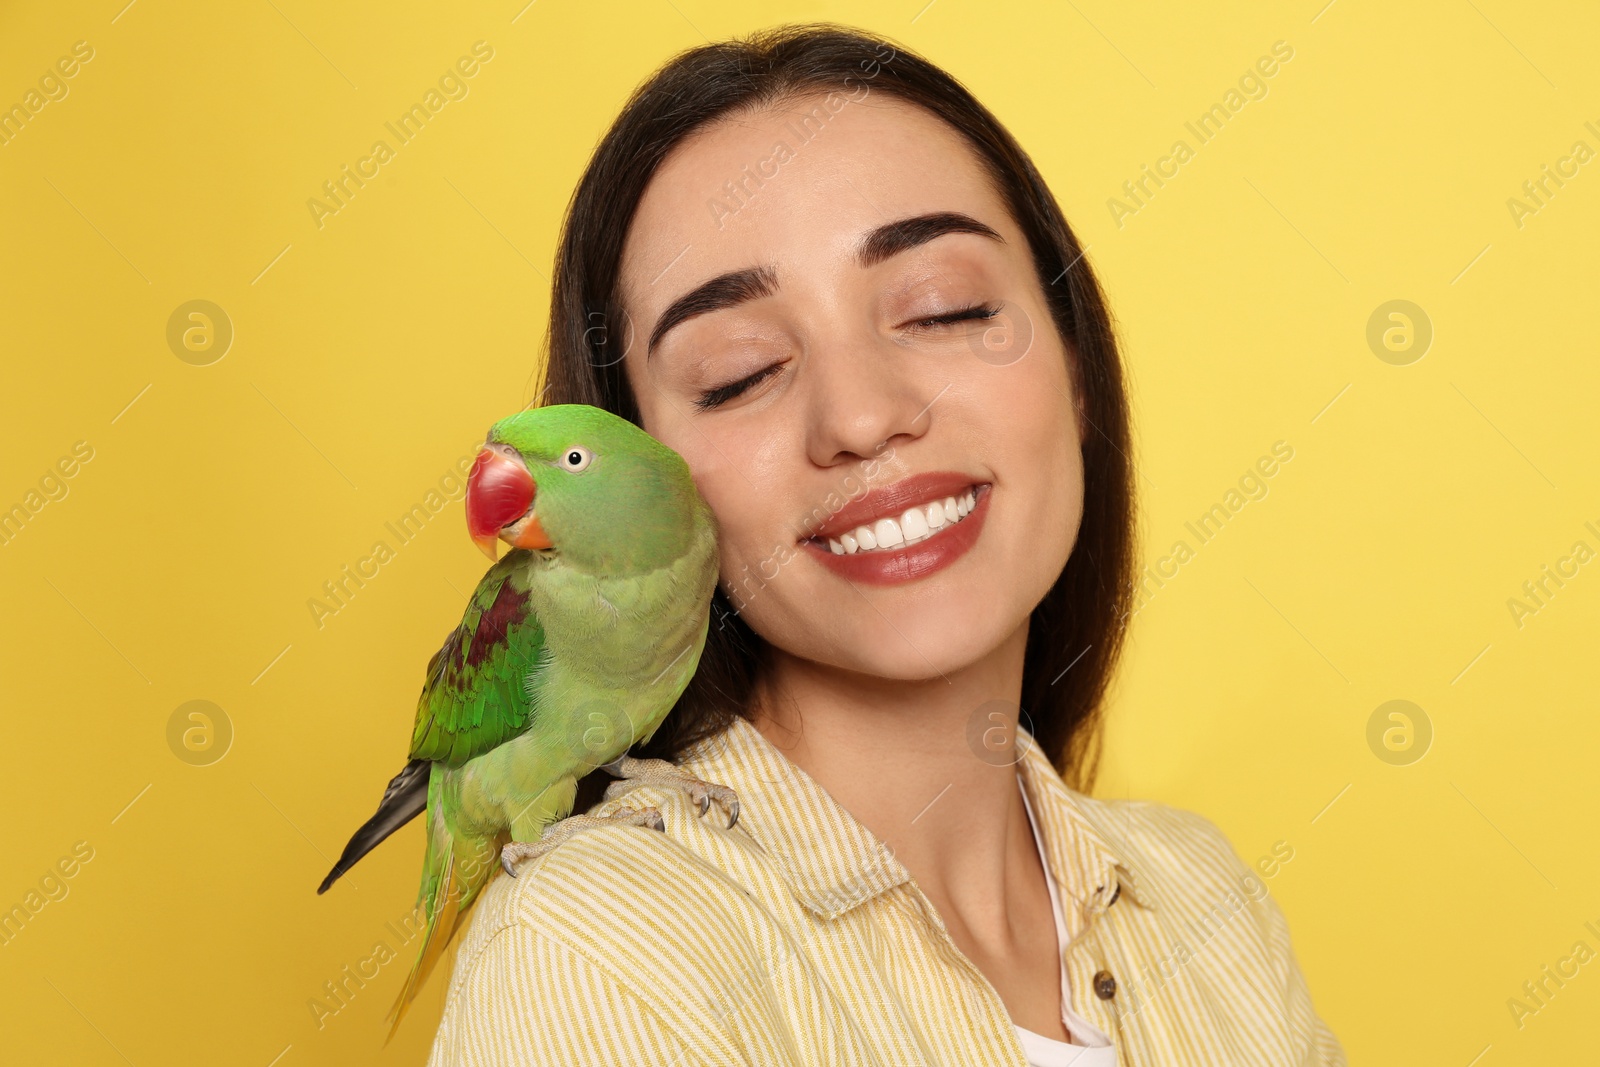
[910, 527]
[915, 524]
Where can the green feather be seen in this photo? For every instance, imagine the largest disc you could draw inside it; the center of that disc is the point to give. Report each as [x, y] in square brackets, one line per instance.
[474, 698]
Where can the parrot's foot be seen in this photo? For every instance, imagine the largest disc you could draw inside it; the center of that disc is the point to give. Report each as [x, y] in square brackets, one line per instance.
[660, 772]
[555, 834]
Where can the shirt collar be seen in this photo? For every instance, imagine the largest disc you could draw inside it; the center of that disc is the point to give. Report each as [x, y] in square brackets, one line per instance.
[1083, 843]
[832, 862]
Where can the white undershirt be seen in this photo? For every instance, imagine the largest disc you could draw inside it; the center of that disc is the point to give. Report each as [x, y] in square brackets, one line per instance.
[1090, 1046]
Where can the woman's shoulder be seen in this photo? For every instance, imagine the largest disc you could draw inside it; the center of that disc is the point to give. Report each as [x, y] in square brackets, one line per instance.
[620, 945]
[1185, 861]
[628, 900]
[1211, 915]
[1167, 837]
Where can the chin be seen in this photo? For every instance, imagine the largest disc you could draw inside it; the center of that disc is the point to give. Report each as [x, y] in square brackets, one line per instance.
[928, 653]
[913, 640]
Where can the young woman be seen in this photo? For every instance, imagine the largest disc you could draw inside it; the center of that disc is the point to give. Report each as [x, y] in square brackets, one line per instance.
[816, 267]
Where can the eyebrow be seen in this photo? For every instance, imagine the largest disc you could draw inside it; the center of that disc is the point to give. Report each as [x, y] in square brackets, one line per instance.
[751, 283]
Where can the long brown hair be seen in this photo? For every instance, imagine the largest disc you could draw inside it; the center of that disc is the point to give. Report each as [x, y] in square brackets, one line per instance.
[1075, 633]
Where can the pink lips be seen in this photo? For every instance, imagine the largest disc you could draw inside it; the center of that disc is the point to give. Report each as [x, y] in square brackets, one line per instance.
[906, 563]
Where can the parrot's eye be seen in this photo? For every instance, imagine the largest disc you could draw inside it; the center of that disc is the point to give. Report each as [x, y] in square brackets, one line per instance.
[575, 459]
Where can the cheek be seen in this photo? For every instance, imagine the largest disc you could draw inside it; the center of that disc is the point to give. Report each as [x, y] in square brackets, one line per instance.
[742, 501]
[1038, 455]
[739, 526]
[1057, 456]
[1050, 433]
[1028, 407]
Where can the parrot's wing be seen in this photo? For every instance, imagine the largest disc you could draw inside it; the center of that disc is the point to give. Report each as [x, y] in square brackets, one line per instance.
[477, 693]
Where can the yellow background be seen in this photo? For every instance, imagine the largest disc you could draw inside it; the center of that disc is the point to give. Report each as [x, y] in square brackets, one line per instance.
[370, 354]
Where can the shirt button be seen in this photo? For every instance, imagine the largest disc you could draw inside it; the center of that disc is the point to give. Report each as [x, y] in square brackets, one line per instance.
[1105, 986]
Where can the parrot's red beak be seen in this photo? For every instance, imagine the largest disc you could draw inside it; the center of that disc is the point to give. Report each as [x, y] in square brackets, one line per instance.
[500, 492]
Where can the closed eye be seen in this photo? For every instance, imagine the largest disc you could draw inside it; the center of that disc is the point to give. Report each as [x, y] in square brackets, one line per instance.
[949, 318]
[713, 398]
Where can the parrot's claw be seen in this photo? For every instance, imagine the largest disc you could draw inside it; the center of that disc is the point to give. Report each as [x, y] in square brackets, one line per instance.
[661, 772]
[730, 800]
[703, 793]
[708, 791]
[557, 833]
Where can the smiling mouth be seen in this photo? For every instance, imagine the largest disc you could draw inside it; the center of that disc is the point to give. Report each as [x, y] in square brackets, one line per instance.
[892, 533]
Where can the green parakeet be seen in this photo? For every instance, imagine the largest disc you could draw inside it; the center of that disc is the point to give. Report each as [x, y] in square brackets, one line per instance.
[574, 647]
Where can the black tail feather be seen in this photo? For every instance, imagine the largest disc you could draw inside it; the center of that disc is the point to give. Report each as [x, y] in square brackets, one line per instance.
[403, 801]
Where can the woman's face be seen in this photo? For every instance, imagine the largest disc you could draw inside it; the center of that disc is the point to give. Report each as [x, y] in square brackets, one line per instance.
[812, 397]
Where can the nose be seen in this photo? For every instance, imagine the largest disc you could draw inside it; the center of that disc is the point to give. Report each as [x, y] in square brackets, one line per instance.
[864, 397]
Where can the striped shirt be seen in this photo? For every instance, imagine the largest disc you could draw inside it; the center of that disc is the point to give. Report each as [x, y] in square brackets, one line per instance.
[798, 939]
